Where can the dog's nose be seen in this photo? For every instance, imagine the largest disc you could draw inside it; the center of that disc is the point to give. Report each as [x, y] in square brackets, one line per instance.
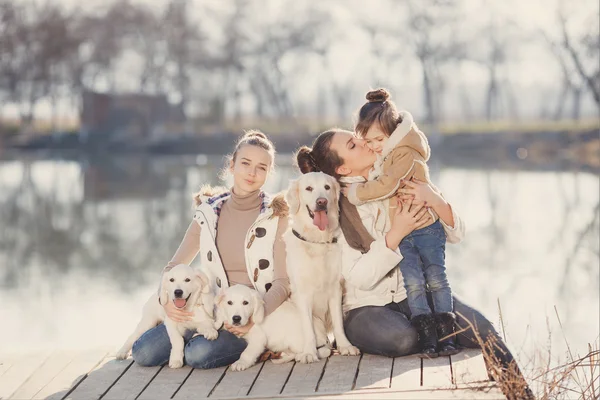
[322, 202]
[236, 319]
[178, 292]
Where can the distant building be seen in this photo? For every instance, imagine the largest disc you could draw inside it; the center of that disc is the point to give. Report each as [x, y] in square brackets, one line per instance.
[128, 117]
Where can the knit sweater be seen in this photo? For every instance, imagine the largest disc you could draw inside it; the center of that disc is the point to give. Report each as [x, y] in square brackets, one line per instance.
[237, 215]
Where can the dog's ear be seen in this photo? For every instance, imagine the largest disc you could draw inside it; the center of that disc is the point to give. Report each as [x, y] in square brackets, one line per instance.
[292, 196]
[258, 315]
[221, 316]
[206, 294]
[219, 298]
[336, 188]
[204, 282]
[163, 295]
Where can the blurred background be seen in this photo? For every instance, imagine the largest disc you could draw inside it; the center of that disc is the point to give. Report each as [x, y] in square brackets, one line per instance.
[112, 113]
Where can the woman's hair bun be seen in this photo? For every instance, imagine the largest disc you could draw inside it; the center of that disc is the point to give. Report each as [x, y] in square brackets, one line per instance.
[378, 95]
[306, 161]
[254, 133]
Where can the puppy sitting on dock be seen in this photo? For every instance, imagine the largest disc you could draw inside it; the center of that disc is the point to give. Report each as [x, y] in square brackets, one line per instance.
[189, 290]
[280, 331]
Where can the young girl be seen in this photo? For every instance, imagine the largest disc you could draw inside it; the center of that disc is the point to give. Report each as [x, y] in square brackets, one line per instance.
[238, 235]
[403, 152]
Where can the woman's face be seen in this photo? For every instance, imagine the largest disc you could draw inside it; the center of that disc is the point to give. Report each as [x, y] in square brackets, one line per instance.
[358, 157]
[250, 169]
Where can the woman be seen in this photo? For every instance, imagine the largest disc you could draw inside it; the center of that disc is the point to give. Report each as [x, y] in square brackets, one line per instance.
[377, 314]
[238, 234]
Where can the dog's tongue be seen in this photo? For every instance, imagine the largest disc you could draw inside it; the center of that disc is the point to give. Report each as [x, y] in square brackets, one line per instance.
[321, 220]
[179, 303]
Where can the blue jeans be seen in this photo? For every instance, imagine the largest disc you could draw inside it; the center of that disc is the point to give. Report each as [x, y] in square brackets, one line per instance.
[423, 268]
[154, 348]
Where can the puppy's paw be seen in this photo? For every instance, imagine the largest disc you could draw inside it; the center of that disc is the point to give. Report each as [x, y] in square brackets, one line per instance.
[307, 358]
[240, 365]
[211, 334]
[122, 354]
[175, 362]
[324, 352]
[349, 351]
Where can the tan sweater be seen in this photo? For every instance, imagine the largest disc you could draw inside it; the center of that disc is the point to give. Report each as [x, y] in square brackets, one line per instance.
[236, 217]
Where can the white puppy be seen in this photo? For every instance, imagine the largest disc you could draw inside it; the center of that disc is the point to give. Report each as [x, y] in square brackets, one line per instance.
[280, 331]
[189, 290]
[314, 259]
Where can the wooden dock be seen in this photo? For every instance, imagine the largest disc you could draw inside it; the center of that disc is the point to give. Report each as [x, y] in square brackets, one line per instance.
[97, 375]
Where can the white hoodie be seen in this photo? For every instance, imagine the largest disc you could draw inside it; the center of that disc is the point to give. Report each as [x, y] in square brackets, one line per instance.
[373, 278]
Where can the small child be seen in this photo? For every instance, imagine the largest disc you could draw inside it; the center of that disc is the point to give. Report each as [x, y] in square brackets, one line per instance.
[403, 152]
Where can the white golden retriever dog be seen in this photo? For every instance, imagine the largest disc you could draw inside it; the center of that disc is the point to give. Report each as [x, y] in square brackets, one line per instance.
[314, 259]
[189, 290]
[280, 331]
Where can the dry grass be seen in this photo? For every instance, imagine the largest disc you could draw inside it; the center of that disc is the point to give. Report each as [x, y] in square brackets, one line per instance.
[576, 378]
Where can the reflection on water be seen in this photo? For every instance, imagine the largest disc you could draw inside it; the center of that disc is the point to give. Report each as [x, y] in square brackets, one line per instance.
[82, 244]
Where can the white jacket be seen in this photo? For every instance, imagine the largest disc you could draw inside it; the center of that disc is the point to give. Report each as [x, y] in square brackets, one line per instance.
[260, 240]
[373, 278]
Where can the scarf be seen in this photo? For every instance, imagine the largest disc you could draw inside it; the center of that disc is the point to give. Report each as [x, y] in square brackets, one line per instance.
[354, 231]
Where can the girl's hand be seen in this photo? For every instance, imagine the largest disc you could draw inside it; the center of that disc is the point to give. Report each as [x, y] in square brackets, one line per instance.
[239, 331]
[407, 218]
[420, 192]
[177, 314]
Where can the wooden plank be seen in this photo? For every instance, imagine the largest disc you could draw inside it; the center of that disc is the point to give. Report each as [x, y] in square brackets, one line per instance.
[304, 378]
[100, 379]
[406, 373]
[339, 374]
[468, 366]
[374, 372]
[44, 374]
[132, 382]
[166, 383]
[17, 374]
[437, 373]
[200, 383]
[271, 379]
[237, 383]
[69, 377]
[455, 394]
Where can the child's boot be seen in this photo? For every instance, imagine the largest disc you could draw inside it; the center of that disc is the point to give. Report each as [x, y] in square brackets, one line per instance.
[426, 329]
[445, 330]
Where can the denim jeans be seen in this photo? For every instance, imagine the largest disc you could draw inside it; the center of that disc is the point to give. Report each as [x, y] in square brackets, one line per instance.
[423, 268]
[154, 348]
[387, 331]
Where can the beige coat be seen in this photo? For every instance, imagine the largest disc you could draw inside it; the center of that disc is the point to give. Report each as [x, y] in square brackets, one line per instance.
[404, 156]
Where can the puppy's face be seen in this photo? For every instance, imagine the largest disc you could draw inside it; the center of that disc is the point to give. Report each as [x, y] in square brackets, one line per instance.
[237, 304]
[313, 198]
[182, 284]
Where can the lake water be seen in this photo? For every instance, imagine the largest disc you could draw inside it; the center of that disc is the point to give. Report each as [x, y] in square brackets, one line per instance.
[83, 241]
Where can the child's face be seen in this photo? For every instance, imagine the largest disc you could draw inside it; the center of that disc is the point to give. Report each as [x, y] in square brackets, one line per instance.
[375, 138]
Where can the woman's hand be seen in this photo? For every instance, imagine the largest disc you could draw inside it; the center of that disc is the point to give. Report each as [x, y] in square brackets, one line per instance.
[239, 331]
[420, 192]
[407, 218]
[177, 314]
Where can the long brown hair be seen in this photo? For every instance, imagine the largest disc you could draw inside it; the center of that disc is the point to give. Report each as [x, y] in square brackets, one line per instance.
[320, 158]
[378, 109]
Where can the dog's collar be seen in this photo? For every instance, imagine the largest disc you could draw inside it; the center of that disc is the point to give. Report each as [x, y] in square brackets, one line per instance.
[299, 236]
